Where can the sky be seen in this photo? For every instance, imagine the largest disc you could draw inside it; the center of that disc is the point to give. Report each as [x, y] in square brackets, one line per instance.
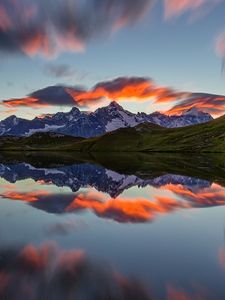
[147, 55]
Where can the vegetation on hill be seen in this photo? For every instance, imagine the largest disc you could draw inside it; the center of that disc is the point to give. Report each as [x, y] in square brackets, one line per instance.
[42, 141]
[147, 137]
[208, 137]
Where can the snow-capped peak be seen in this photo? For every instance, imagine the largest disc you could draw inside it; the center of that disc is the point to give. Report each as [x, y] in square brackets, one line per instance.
[193, 112]
[115, 105]
[74, 111]
[12, 120]
[104, 119]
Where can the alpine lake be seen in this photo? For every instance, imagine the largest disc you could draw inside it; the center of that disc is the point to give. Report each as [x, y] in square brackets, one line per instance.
[112, 226]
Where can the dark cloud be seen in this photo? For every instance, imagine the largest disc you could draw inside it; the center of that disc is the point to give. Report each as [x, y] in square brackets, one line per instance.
[47, 27]
[47, 272]
[64, 71]
[53, 95]
[50, 96]
[59, 70]
[119, 89]
[64, 228]
[120, 83]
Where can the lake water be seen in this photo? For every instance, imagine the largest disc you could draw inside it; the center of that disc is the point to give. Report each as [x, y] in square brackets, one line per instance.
[146, 227]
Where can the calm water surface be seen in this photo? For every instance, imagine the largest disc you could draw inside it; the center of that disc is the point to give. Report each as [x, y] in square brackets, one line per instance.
[81, 230]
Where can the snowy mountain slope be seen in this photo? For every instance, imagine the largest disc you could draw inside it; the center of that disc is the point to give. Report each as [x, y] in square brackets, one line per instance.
[78, 176]
[105, 119]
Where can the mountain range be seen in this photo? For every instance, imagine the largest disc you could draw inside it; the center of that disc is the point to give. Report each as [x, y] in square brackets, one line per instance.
[191, 191]
[91, 124]
[81, 175]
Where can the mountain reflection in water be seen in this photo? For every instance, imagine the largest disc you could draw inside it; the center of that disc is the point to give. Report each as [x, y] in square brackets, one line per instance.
[131, 226]
[105, 188]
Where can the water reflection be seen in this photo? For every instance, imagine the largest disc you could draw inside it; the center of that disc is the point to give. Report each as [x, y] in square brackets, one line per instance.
[105, 192]
[135, 227]
[47, 272]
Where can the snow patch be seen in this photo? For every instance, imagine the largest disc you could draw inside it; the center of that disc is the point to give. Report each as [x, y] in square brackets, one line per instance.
[47, 171]
[45, 129]
[114, 176]
[130, 120]
[114, 124]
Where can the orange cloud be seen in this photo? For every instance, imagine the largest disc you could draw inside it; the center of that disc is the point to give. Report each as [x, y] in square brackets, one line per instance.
[119, 209]
[175, 8]
[121, 89]
[125, 210]
[126, 88]
[36, 27]
[212, 104]
[26, 196]
[214, 195]
[118, 89]
[9, 186]
[28, 101]
[38, 43]
[36, 259]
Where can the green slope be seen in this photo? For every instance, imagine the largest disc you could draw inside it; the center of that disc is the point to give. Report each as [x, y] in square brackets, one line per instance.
[37, 142]
[208, 137]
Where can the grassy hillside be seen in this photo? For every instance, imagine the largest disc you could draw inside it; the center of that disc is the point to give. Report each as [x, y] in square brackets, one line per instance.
[38, 142]
[208, 137]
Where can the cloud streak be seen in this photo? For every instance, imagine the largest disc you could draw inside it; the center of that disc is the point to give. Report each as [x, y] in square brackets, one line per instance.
[121, 89]
[118, 89]
[213, 104]
[48, 27]
[174, 8]
[220, 48]
[59, 70]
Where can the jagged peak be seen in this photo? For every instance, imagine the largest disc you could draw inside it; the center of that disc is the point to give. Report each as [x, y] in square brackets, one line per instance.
[115, 104]
[157, 113]
[193, 111]
[74, 110]
[12, 117]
